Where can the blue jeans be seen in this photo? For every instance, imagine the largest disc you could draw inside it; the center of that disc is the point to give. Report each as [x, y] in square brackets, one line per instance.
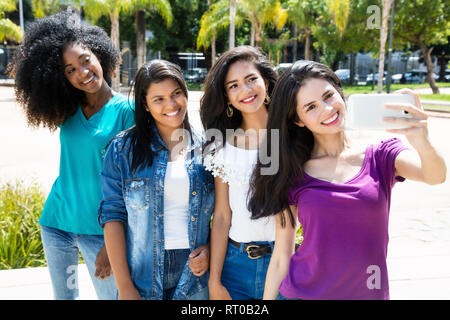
[174, 262]
[244, 278]
[61, 252]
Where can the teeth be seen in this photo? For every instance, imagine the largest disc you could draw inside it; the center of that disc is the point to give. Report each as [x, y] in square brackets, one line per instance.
[86, 82]
[331, 119]
[172, 113]
[249, 99]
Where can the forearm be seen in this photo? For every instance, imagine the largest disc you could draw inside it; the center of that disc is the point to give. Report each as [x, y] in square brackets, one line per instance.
[434, 169]
[116, 247]
[277, 270]
[219, 243]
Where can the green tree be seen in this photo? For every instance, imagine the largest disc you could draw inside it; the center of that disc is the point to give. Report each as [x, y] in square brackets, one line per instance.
[214, 21]
[140, 7]
[261, 13]
[8, 30]
[340, 10]
[42, 8]
[94, 9]
[423, 23]
[302, 14]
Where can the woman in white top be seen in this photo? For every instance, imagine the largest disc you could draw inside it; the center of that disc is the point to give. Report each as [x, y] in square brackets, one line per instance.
[234, 110]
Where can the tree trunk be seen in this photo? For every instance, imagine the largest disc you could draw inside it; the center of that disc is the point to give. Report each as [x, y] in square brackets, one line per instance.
[213, 49]
[308, 53]
[252, 35]
[140, 38]
[427, 58]
[114, 17]
[295, 45]
[232, 24]
[258, 35]
[383, 38]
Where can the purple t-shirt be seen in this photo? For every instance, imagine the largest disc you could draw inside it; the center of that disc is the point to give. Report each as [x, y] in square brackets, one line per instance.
[345, 231]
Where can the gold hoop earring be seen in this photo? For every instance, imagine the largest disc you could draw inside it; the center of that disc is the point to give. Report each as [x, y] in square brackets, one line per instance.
[267, 99]
[229, 111]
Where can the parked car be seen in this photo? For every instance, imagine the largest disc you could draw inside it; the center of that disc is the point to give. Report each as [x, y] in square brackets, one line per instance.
[397, 78]
[344, 75]
[447, 75]
[282, 67]
[202, 72]
[194, 75]
[370, 77]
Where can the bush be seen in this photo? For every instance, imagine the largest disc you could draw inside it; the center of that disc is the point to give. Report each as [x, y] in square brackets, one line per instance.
[20, 238]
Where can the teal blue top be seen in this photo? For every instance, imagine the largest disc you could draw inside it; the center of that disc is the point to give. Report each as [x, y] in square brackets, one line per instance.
[73, 201]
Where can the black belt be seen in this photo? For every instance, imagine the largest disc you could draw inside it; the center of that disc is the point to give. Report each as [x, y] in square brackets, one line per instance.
[254, 251]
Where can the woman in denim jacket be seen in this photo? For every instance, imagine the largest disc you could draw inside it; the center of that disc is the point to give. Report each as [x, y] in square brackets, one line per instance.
[157, 196]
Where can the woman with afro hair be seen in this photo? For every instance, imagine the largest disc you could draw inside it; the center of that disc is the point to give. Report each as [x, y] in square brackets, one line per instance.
[63, 72]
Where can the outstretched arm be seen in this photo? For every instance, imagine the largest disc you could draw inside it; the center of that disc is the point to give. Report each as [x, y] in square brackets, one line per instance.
[424, 163]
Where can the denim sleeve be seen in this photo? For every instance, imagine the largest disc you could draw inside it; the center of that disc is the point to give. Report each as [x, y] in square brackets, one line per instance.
[112, 207]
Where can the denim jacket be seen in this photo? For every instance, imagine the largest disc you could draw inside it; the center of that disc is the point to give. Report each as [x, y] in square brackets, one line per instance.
[137, 200]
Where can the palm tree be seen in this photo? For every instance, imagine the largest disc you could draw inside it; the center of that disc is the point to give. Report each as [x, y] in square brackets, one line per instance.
[214, 20]
[340, 10]
[260, 13]
[140, 7]
[42, 8]
[301, 13]
[231, 38]
[383, 37]
[94, 9]
[8, 30]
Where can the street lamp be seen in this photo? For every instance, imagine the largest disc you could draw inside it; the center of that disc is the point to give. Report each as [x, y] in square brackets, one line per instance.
[21, 15]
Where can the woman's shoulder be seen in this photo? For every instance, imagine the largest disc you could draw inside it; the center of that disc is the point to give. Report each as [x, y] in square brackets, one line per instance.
[122, 140]
[232, 164]
[122, 103]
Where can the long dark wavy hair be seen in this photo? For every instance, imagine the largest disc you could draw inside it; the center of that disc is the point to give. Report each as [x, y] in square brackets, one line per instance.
[213, 104]
[41, 88]
[268, 194]
[143, 133]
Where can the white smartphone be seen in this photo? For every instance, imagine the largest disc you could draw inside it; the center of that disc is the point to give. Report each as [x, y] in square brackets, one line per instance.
[366, 111]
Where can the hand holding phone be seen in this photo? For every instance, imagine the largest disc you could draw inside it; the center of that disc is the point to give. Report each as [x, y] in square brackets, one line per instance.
[369, 111]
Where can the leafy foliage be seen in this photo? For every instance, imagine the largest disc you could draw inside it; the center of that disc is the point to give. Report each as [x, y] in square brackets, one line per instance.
[20, 240]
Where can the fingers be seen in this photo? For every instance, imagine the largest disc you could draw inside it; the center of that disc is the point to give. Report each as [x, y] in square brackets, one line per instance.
[407, 122]
[199, 261]
[102, 272]
[411, 109]
[413, 93]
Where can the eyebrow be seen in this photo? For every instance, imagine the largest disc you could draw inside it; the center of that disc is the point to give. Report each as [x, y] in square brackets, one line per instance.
[157, 96]
[231, 81]
[323, 95]
[81, 55]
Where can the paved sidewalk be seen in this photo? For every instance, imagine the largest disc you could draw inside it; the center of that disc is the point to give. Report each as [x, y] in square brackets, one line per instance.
[419, 249]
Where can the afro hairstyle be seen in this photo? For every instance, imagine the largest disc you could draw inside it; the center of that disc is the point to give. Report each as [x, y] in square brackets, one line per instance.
[41, 87]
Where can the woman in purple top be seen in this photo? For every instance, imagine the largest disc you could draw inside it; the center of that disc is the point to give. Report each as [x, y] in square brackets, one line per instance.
[339, 192]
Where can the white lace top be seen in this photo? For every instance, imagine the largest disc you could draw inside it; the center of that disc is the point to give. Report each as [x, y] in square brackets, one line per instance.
[235, 166]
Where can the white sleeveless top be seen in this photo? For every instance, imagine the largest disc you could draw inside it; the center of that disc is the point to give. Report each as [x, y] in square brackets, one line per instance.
[176, 206]
[235, 166]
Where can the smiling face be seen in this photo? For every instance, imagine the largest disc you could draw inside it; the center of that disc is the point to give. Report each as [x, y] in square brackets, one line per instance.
[167, 104]
[245, 87]
[320, 107]
[82, 68]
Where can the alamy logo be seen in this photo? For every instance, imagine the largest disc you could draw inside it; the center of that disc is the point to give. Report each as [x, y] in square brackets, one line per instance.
[374, 280]
[72, 280]
[374, 21]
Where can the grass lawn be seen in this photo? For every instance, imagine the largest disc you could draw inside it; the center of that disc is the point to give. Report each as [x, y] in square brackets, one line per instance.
[437, 108]
[348, 90]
